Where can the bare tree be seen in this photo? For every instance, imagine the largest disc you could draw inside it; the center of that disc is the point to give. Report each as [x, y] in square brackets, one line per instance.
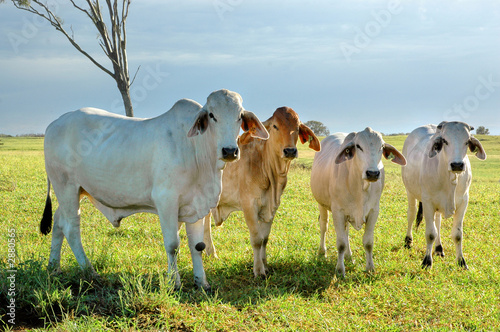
[113, 42]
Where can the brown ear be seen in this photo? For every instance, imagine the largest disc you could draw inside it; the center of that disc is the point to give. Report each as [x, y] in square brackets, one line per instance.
[307, 135]
[475, 146]
[253, 125]
[245, 138]
[200, 124]
[392, 154]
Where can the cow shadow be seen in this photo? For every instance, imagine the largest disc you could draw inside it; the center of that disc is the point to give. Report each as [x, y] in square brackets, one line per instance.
[42, 297]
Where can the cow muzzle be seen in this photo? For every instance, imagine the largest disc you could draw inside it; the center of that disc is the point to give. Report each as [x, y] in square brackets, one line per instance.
[372, 176]
[290, 153]
[457, 167]
[230, 154]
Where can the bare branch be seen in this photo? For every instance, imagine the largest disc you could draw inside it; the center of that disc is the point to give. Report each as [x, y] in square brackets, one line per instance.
[137, 71]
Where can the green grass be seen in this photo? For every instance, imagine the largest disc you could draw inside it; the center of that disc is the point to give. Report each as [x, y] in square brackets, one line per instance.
[302, 292]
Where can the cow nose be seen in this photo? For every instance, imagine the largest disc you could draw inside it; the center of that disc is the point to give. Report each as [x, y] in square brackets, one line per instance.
[229, 154]
[372, 175]
[457, 167]
[290, 152]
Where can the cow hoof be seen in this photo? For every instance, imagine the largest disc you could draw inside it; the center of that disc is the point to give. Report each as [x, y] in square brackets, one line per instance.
[207, 289]
[427, 262]
[340, 273]
[462, 264]
[408, 242]
[321, 252]
[439, 251]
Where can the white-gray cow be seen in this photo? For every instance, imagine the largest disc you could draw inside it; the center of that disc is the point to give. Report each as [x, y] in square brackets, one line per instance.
[170, 165]
[347, 179]
[438, 175]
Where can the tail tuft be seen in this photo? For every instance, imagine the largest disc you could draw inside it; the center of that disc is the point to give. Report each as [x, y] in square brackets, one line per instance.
[420, 214]
[46, 223]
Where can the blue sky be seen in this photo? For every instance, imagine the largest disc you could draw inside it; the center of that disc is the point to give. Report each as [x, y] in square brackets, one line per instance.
[389, 65]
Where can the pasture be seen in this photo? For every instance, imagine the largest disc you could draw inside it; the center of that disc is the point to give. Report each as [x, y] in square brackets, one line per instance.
[301, 293]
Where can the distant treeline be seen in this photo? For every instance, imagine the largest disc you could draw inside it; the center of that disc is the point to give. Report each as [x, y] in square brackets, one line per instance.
[23, 135]
[395, 134]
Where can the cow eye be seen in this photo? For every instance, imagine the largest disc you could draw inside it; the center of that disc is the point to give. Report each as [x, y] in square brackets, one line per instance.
[211, 115]
[275, 127]
[357, 145]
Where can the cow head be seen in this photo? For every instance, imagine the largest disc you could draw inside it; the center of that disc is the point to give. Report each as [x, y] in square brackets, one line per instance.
[285, 129]
[451, 141]
[366, 148]
[222, 116]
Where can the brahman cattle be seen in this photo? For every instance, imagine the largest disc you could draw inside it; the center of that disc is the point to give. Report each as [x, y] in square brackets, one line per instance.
[254, 184]
[347, 179]
[438, 175]
[170, 165]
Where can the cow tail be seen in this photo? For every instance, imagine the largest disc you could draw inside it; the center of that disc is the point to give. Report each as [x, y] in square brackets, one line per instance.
[420, 214]
[46, 223]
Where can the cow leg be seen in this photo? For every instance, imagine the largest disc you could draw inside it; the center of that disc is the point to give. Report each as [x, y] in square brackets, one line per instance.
[251, 217]
[457, 231]
[57, 240]
[168, 212]
[207, 237]
[195, 236]
[348, 252]
[68, 223]
[342, 240]
[430, 234]
[323, 228]
[438, 247]
[368, 240]
[265, 230]
[411, 215]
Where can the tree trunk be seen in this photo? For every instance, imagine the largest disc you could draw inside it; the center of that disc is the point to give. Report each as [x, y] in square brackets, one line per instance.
[127, 101]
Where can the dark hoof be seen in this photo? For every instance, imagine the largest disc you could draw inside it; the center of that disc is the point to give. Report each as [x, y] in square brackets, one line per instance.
[427, 262]
[408, 242]
[439, 251]
[207, 289]
[462, 264]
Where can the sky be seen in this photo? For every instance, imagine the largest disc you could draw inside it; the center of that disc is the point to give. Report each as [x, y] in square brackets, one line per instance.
[391, 65]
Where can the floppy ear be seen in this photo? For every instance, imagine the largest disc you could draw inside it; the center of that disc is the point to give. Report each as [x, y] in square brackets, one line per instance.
[307, 135]
[437, 146]
[245, 138]
[200, 124]
[475, 146]
[392, 154]
[253, 125]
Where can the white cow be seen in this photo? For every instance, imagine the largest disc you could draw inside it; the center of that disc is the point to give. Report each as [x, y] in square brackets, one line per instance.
[347, 179]
[438, 175]
[170, 165]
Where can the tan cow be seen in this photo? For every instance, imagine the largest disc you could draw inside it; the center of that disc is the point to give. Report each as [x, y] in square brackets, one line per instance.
[254, 184]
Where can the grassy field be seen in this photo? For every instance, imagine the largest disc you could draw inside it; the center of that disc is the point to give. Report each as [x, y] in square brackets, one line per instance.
[302, 292]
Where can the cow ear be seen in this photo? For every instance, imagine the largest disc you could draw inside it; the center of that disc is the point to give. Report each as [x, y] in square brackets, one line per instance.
[392, 154]
[200, 124]
[307, 135]
[253, 125]
[475, 146]
[437, 146]
[245, 138]
[440, 126]
[347, 153]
